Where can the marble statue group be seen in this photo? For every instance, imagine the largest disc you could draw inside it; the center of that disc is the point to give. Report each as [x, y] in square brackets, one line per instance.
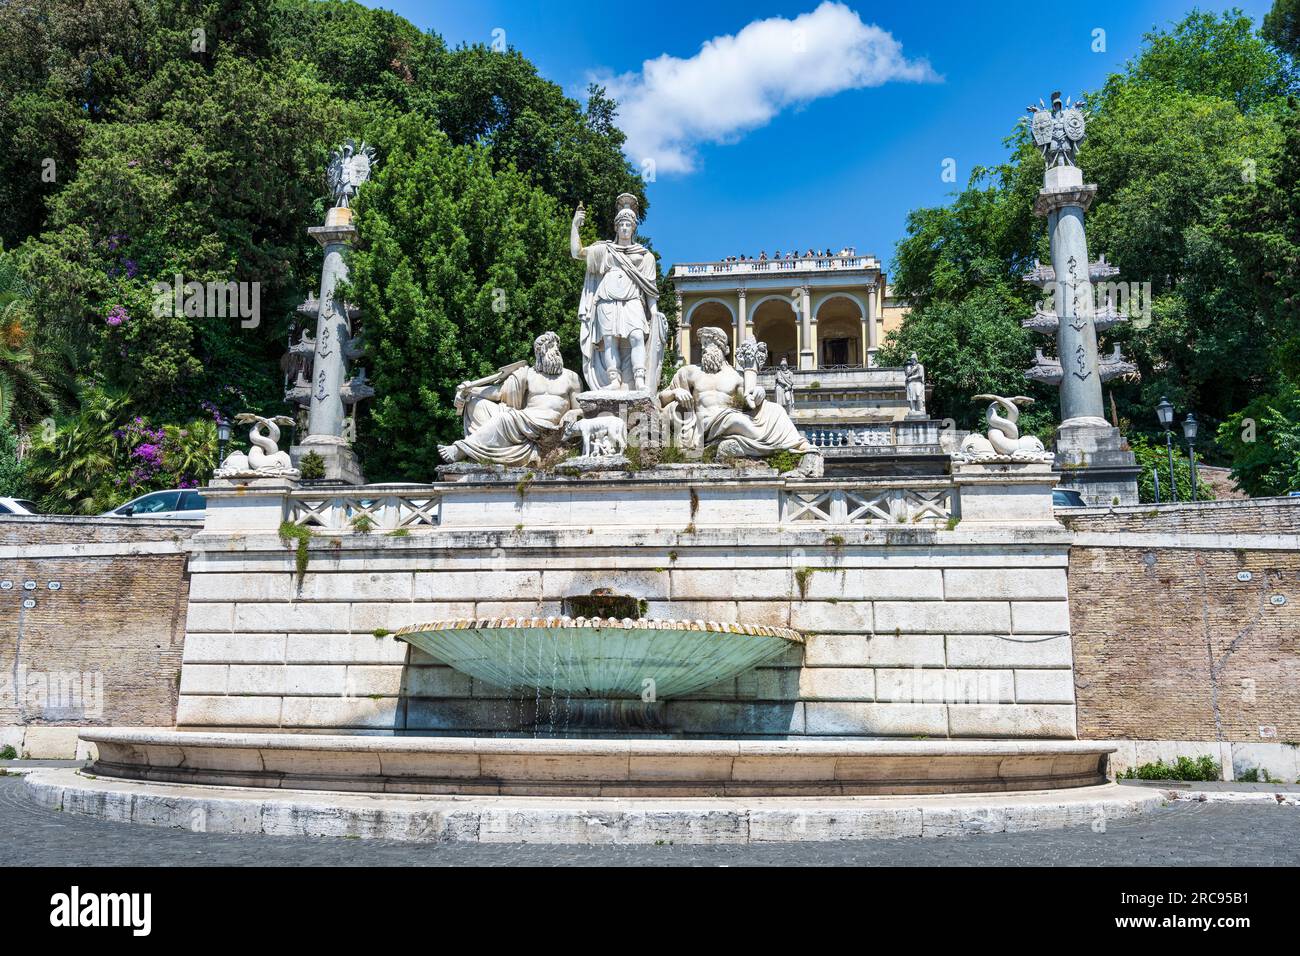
[517, 415]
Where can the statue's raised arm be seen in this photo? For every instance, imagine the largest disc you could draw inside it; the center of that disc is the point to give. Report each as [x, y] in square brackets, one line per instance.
[575, 239]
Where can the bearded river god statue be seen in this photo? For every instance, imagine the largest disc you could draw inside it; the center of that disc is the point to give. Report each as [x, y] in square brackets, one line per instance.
[714, 404]
[512, 417]
[623, 331]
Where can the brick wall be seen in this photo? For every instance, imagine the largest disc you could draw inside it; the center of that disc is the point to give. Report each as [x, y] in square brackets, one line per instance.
[1249, 516]
[105, 647]
[1170, 643]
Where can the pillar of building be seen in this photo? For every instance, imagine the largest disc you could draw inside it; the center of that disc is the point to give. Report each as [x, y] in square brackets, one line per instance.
[872, 337]
[807, 335]
[684, 338]
[742, 315]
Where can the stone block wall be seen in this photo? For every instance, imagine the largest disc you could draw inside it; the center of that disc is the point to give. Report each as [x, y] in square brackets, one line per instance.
[1186, 622]
[910, 633]
[101, 648]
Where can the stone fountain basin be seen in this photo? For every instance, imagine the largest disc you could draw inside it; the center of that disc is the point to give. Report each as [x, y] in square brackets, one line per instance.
[604, 658]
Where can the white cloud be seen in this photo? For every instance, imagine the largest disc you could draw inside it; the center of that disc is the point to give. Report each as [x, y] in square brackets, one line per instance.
[739, 83]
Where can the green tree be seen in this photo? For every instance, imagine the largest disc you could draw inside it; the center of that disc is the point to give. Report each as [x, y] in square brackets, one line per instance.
[461, 268]
[1263, 440]
[14, 481]
[1282, 26]
[1189, 149]
[35, 379]
[1152, 456]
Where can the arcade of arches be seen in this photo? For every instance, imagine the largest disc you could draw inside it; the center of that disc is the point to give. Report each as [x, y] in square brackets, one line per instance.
[839, 329]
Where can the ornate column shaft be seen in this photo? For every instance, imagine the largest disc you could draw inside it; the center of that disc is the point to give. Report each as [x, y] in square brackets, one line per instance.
[1064, 199]
[333, 332]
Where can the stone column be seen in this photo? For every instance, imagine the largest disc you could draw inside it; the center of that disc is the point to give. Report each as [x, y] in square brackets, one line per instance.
[807, 340]
[873, 335]
[1063, 200]
[329, 370]
[684, 335]
[742, 315]
[326, 410]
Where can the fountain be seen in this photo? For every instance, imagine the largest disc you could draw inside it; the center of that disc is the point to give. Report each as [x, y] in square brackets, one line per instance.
[794, 634]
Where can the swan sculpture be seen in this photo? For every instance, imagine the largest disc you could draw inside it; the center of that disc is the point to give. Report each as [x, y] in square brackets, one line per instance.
[264, 459]
[1004, 440]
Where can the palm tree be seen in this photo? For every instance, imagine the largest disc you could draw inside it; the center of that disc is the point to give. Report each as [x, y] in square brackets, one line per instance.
[78, 461]
[35, 377]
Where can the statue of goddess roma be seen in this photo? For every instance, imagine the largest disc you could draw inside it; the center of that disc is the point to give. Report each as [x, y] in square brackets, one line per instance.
[623, 331]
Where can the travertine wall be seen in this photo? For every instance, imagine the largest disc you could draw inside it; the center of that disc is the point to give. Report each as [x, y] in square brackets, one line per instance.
[910, 633]
[102, 649]
[1186, 621]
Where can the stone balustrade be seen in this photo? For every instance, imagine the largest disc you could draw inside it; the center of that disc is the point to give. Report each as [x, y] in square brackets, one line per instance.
[368, 507]
[762, 266]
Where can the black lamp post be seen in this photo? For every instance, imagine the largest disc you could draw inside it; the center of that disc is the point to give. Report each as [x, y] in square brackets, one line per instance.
[1165, 413]
[1190, 427]
[223, 436]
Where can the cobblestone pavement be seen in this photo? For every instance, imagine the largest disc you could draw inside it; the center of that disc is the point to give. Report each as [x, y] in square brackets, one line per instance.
[1194, 834]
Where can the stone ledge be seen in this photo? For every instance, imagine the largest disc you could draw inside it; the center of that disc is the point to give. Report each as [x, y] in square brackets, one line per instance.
[557, 820]
[596, 767]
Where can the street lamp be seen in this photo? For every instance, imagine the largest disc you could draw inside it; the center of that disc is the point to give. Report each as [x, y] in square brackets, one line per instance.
[1165, 413]
[1190, 427]
[223, 436]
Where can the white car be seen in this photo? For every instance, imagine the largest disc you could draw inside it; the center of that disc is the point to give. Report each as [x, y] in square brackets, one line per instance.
[176, 503]
[17, 506]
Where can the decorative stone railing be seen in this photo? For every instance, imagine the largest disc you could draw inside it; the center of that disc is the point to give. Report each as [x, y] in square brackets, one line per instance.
[380, 507]
[883, 435]
[683, 497]
[869, 504]
[750, 266]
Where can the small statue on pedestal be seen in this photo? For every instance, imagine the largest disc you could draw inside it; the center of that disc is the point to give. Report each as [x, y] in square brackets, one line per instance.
[1004, 442]
[914, 372]
[264, 459]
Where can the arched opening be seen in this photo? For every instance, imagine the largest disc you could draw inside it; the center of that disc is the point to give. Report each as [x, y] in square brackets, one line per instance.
[776, 324]
[713, 314]
[839, 333]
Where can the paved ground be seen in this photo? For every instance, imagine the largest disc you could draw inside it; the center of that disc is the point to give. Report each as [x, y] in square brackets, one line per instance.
[1200, 834]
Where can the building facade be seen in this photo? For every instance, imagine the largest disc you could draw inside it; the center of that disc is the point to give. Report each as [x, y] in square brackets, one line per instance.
[824, 312]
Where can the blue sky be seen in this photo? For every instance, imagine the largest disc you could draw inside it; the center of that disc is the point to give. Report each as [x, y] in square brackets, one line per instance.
[758, 148]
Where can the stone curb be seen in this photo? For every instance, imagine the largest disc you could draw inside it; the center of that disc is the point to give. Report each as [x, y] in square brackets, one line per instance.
[578, 821]
[1233, 796]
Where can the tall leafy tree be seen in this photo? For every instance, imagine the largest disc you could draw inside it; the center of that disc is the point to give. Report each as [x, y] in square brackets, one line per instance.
[1185, 144]
[461, 268]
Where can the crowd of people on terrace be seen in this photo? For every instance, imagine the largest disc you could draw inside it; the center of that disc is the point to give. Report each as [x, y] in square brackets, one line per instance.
[826, 253]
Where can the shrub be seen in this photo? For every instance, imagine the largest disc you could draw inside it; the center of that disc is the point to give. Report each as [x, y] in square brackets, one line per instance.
[1184, 768]
[312, 466]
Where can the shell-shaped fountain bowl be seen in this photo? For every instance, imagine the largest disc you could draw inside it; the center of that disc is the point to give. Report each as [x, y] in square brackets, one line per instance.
[607, 658]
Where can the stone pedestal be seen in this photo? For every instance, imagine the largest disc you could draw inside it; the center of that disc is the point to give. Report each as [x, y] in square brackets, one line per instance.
[246, 505]
[1092, 459]
[638, 409]
[341, 462]
[1005, 492]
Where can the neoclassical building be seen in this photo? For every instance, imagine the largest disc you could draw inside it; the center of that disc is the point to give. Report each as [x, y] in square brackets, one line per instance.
[827, 317]
[828, 312]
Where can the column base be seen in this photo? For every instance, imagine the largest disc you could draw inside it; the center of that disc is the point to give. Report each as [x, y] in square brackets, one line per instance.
[1092, 459]
[806, 359]
[341, 462]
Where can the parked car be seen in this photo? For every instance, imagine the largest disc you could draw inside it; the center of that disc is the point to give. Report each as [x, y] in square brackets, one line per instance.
[17, 506]
[177, 503]
[1067, 498]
